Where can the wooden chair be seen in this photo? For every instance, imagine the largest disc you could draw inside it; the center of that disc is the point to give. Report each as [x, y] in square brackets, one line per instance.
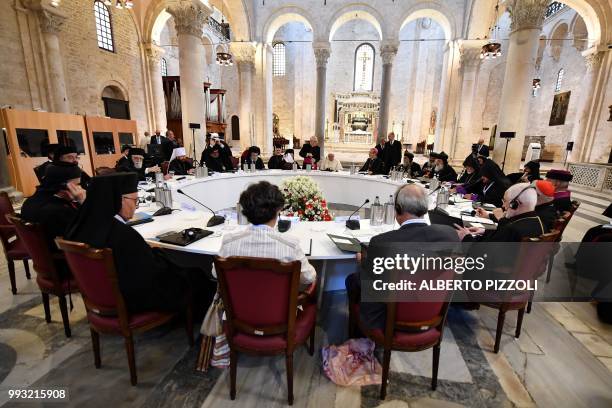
[409, 326]
[260, 298]
[560, 225]
[50, 280]
[94, 270]
[531, 265]
[14, 250]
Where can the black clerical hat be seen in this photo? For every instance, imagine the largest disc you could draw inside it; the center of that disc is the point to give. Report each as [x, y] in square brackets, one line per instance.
[56, 176]
[61, 150]
[136, 151]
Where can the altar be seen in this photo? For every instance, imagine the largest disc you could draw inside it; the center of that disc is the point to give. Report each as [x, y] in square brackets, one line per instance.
[355, 118]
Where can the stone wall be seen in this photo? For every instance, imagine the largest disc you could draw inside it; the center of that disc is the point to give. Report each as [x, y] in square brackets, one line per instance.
[13, 76]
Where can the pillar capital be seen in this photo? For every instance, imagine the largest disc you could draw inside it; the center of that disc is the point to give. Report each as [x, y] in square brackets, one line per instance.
[527, 14]
[50, 22]
[388, 51]
[593, 60]
[469, 56]
[244, 52]
[322, 51]
[154, 52]
[189, 16]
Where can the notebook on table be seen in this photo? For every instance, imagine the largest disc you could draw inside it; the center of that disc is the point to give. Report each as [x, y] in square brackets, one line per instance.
[346, 244]
[181, 238]
[139, 218]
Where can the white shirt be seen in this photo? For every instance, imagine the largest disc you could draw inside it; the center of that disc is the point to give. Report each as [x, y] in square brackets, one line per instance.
[119, 218]
[333, 165]
[414, 221]
[261, 241]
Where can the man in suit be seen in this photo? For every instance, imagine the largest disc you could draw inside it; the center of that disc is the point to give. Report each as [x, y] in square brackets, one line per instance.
[374, 165]
[410, 208]
[157, 138]
[171, 144]
[481, 148]
[393, 151]
[312, 149]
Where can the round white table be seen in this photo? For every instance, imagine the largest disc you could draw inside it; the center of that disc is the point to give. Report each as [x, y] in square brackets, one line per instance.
[221, 191]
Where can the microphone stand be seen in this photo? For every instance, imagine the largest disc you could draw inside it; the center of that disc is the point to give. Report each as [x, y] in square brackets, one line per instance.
[214, 220]
[355, 224]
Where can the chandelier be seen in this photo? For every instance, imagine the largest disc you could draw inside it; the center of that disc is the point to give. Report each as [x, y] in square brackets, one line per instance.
[224, 59]
[120, 4]
[536, 83]
[492, 49]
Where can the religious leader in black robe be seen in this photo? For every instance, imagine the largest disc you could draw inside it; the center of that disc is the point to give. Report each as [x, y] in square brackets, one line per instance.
[40, 169]
[54, 206]
[180, 164]
[59, 159]
[148, 279]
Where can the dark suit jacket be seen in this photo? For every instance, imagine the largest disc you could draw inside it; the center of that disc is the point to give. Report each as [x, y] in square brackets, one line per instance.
[393, 153]
[315, 151]
[162, 139]
[373, 315]
[493, 195]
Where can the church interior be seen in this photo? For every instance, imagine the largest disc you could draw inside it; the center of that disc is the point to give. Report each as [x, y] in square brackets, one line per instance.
[531, 80]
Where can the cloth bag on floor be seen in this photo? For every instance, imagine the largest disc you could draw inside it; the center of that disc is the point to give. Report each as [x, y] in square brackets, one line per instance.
[352, 363]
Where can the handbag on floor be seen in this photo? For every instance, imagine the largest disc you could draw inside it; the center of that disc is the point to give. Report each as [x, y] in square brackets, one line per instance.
[352, 363]
[212, 325]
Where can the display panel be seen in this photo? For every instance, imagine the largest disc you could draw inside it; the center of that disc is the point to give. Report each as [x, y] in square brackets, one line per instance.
[71, 138]
[103, 142]
[33, 142]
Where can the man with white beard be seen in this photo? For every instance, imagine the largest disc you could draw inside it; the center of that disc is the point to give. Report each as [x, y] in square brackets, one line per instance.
[136, 164]
[442, 169]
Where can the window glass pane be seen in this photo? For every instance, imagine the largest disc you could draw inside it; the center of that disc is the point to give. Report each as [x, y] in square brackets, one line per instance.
[103, 142]
[559, 82]
[364, 68]
[71, 138]
[278, 59]
[164, 67]
[126, 139]
[104, 29]
[33, 142]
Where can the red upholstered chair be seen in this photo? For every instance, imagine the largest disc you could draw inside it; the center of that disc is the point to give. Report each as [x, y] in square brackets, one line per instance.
[164, 167]
[94, 271]
[14, 250]
[47, 276]
[532, 264]
[260, 298]
[410, 326]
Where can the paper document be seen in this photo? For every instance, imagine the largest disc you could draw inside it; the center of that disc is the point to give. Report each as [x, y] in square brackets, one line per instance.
[478, 220]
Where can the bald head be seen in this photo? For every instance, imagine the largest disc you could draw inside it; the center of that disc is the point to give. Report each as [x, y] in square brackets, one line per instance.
[410, 202]
[314, 141]
[481, 141]
[526, 196]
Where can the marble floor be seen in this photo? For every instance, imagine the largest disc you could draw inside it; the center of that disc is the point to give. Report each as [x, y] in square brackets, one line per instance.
[562, 359]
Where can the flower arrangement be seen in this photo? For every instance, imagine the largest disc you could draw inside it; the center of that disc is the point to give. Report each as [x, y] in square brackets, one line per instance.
[305, 200]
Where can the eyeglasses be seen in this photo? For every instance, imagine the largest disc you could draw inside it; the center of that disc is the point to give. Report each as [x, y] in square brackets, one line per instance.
[136, 200]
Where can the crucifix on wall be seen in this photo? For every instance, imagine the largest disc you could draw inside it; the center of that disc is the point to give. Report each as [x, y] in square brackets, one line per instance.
[364, 64]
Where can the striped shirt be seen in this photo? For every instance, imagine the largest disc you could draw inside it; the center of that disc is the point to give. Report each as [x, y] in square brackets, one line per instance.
[262, 241]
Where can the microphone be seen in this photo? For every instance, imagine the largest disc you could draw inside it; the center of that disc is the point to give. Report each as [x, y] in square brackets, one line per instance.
[354, 224]
[214, 220]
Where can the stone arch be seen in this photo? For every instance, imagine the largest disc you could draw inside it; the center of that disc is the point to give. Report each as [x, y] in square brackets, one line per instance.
[579, 32]
[209, 49]
[283, 16]
[597, 16]
[557, 40]
[359, 11]
[431, 10]
[114, 89]
[156, 16]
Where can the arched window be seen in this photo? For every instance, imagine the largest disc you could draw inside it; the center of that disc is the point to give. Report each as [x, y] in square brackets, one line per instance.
[104, 29]
[559, 82]
[278, 59]
[364, 68]
[164, 67]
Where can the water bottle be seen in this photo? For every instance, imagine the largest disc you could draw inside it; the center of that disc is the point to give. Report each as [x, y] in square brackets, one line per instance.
[308, 167]
[442, 197]
[389, 211]
[434, 183]
[294, 166]
[204, 170]
[253, 167]
[245, 167]
[159, 179]
[376, 213]
[167, 196]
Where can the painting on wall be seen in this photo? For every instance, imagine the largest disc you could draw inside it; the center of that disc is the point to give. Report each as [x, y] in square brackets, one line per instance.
[559, 109]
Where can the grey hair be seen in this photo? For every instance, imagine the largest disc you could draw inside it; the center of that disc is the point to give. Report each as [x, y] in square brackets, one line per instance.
[411, 199]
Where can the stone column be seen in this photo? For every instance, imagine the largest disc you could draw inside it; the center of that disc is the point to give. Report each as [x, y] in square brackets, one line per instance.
[469, 61]
[322, 52]
[189, 20]
[154, 54]
[244, 54]
[527, 17]
[586, 102]
[387, 52]
[449, 93]
[50, 24]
